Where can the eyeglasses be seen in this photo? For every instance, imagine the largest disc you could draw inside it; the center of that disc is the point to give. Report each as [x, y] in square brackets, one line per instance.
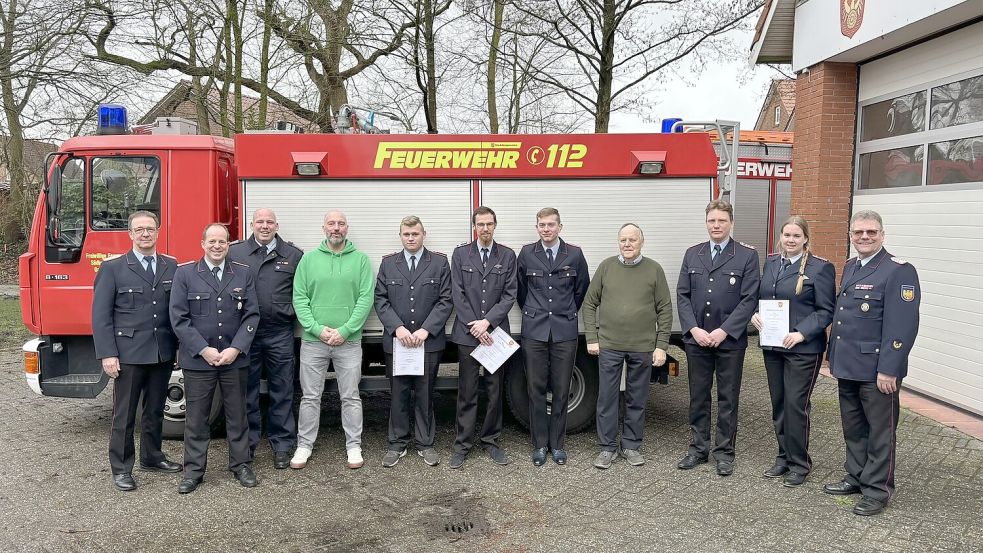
[859, 233]
[143, 230]
[484, 225]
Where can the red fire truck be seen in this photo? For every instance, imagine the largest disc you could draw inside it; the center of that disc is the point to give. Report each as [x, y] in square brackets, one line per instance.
[598, 182]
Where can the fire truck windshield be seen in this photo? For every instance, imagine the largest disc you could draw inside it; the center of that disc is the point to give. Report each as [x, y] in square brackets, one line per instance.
[122, 185]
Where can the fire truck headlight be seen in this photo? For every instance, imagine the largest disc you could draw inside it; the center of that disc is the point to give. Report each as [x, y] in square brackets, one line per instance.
[650, 167]
[307, 169]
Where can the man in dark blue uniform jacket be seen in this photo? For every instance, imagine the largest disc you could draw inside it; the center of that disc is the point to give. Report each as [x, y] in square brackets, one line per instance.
[214, 313]
[134, 340]
[553, 280]
[483, 288]
[716, 296]
[413, 300]
[874, 326]
[272, 261]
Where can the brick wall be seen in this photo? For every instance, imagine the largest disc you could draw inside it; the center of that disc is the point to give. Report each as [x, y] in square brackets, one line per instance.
[825, 122]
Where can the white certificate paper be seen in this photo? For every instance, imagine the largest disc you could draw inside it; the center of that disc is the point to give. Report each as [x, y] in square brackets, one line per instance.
[407, 361]
[492, 357]
[774, 319]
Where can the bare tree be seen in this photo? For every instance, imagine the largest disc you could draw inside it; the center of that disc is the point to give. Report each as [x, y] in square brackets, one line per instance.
[46, 91]
[610, 47]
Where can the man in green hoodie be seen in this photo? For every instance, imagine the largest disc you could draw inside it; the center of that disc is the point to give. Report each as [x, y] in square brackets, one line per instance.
[333, 293]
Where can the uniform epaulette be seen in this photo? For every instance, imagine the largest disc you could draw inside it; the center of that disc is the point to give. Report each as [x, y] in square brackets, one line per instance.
[238, 263]
[530, 244]
[504, 246]
[462, 245]
[387, 256]
[187, 263]
[236, 242]
[814, 256]
[112, 256]
[292, 245]
[899, 261]
[167, 256]
[776, 253]
[746, 245]
[435, 252]
[572, 244]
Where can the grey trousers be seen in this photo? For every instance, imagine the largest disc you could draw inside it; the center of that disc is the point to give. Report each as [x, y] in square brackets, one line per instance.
[314, 360]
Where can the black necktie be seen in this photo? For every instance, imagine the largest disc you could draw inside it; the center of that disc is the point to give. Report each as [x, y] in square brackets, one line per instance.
[785, 265]
[484, 257]
[215, 271]
[150, 266]
[412, 263]
[549, 256]
[716, 253]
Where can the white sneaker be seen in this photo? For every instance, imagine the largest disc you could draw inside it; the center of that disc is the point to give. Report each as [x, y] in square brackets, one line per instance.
[300, 458]
[355, 460]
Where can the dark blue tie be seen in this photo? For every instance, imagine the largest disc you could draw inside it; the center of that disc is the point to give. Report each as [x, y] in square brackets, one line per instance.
[215, 271]
[150, 266]
[549, 256]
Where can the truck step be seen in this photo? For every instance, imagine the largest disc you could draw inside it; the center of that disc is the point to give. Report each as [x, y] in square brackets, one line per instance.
[74, 385]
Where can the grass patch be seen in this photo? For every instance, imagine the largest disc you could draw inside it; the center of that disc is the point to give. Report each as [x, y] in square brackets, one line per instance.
[12, 330]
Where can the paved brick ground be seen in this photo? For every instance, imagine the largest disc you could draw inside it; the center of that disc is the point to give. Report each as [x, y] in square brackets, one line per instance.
[55, 493]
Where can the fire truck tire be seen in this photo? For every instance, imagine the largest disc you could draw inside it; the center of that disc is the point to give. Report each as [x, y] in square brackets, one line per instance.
[582, 402]
[175, 407]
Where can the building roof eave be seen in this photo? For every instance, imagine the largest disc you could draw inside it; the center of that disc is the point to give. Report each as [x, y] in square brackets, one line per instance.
[772, 41]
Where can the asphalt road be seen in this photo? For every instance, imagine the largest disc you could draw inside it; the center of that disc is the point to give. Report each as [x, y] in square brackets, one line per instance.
[56, 494]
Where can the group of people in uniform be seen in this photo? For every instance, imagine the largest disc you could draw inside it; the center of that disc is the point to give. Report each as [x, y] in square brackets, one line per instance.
[226, 317]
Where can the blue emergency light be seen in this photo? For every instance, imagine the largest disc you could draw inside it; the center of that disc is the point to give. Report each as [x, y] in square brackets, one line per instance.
[668, 122]
[112, 119]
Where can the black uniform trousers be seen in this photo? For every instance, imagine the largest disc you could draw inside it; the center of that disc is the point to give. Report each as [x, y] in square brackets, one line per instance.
[199, 388]
[609, 369]
[870, 424]
[549, 367]
[274, 349]
[134, 381]
[467, 402]
[728, 365]
[421, 406]
[791, 379]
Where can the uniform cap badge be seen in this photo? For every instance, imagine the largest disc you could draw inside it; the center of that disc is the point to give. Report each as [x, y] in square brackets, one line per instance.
[907, 292]
[865, 307]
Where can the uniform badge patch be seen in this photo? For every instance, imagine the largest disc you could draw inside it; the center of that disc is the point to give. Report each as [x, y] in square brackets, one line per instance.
[865, 307]
[864, 287]
[896, 344]
[907, 292]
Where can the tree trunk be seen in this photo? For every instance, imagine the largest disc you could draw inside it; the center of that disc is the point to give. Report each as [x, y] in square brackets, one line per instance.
[264, 64]
[496, 39]
[605, 77]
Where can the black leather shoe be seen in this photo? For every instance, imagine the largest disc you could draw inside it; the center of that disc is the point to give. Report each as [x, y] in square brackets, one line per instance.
[725, 468]
[281, 459]
[867, 507]
[793, 480]
[538, 457]
[690, 461]
[497, 455]
[244, 474]
[189, 485]
[841, 488]
[124, 482]
[559, 456]
[776, 471]
[164, 465]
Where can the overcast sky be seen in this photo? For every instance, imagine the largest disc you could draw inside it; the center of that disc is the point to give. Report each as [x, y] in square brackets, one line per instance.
[727, 90]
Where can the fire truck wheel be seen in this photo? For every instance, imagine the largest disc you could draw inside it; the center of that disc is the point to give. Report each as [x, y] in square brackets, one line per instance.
[175, 406]
[582, 401]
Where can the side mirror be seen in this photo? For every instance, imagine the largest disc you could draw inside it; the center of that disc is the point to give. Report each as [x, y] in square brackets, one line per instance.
[52, 185]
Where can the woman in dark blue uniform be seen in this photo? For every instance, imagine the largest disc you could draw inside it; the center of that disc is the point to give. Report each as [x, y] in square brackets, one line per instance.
[808, 283]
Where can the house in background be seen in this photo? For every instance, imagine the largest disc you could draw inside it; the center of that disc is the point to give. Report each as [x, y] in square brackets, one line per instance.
[778, 111]
[180, 102]
[34, 154]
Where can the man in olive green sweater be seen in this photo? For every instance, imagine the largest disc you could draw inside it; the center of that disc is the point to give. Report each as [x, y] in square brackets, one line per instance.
[627, 319]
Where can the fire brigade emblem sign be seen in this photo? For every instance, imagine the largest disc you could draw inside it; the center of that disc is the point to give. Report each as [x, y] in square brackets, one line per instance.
[907, 292]
[851, 16]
